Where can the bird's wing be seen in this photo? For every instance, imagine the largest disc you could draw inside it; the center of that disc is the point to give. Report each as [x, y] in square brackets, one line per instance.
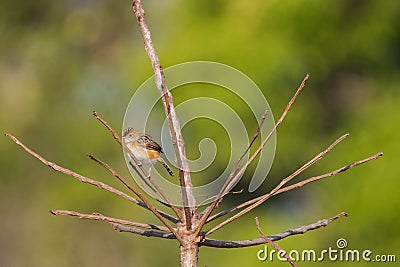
[149, 143]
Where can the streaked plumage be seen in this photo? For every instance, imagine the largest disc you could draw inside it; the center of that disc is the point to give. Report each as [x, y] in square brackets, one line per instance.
[144, 148]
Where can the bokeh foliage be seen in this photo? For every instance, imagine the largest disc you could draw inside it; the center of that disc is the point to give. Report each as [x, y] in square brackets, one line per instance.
[62, 59]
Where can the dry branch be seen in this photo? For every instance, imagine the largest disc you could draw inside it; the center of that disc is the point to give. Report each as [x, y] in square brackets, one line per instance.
[258, 241]
[148, 233]
[209, 242]
[81, 178]
[235, 175]
[188, 199]
[293, 175]
[237, 164]
[329, 174]
[113, 132]
[84, 179]
[125, 182]
[100, 217]
[293, 186]
[263, 198]
[273, 244]
[234, 170]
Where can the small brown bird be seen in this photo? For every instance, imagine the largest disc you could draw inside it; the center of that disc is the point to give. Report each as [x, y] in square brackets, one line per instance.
[144, 148]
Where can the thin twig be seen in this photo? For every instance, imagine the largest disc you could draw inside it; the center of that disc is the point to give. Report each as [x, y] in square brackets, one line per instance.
[188, 199]
[81, 178]
[273, 244]
[148, 233]
[255, 154]
[208, 199]
[113, 132]
[284, 181]
[92, 182]
[263, 198]
[224, 190]
[234, 169]
[125, 182]
[329, 174]
[234, 179]
[148, 178]
[100, 217]
[258, 241]
[115, 174]
[256, 134]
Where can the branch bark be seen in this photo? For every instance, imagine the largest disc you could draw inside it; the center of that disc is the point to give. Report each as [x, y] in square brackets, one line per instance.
[148, 233]
[99, 217]
[258, 201]
[209, 242]
[273, 244]
[235, 175]
[188, 199]
[258, 241]
[293, 175]
[296, 185]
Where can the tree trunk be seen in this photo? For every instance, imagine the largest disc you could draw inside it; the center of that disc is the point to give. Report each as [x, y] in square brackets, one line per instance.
[189, 250]
[189, 255]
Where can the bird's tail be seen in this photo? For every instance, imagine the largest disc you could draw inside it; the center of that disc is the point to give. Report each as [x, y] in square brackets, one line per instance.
[166, 166]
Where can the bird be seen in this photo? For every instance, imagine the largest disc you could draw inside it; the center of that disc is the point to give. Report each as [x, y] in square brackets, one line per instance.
[144, 148]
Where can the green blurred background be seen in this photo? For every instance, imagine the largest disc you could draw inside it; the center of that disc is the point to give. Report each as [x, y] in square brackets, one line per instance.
[60, 60]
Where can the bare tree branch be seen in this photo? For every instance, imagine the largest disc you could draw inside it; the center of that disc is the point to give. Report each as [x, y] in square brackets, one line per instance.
[233, 243]
[188, 199]
[148, 233]
[255, 154]
[258, 241]
[136, 192]
[296, 185]
[329, 174]
[115, 174]
[287, 179]
[81, 178]
[235, 167]
[256, 134]
[100, 217]
[275, 191]
[235, 175]
[113, 132]
[273, 244]
[92, 182]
